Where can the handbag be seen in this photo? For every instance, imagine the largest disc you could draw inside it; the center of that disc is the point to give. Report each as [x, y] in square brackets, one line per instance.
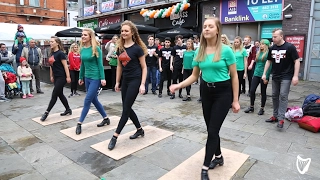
[124, 58]
[310, 123]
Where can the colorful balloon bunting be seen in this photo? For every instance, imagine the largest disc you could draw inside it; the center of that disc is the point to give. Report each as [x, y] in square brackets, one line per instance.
[166, 12]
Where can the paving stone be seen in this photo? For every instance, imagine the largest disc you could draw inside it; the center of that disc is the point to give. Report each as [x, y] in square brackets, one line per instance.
[286, 161]
[51, 163]
[8, 127]
[313, 142]
[33, 175]
[90, 159]
[286, 136]
[26, 143]
[191, 135]
[262, 170]
[38, 153]
[312, 134]
[12, 166]
[234, 135]
[294, 128]
[244, 169]
[172, 153]
[254, 129]
[305, 152]
[235, 146]
[268, 143]
[5, 149]
[15, 135]
[247, 120]
[70, 172]
[142, 170]
[232, 125]
[260, 154]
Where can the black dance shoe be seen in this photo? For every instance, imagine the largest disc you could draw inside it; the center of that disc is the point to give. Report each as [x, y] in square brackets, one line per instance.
[139, 132]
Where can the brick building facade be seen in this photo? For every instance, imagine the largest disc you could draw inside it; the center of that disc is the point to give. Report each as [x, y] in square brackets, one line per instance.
[38, 12]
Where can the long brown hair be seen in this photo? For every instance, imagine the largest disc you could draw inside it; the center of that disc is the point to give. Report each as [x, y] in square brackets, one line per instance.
[203, 43]
[135, 37]
[59, 42]
[94, 43]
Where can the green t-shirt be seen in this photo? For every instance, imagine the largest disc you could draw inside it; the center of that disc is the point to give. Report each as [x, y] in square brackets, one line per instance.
[187, 59]
[216, 71]
[91, 67]
[260, 63]
[240, 55]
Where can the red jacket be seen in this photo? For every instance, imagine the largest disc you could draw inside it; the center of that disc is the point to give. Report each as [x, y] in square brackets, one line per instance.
[74, 61]
[11, 78]
[251, 55]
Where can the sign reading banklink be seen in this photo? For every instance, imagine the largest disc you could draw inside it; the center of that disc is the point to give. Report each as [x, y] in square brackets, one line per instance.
[242, 11]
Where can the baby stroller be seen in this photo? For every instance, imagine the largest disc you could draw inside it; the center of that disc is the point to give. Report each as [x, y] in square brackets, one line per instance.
[13, 87]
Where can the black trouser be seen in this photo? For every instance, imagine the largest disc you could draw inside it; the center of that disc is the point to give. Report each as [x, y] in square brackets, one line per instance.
[250, 75]
[242, 82]
[186, 74]
[177, 74]
[129, 92]
[201, 84]
[263, 88]
[36, 75]
[74, 80]
[166, 74]
[216, 100]
[59, 83]
[113, 76]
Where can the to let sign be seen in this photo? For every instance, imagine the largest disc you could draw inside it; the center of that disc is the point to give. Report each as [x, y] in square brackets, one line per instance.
[298, 42]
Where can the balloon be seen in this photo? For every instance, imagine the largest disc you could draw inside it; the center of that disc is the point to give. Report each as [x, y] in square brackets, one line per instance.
[178, 8]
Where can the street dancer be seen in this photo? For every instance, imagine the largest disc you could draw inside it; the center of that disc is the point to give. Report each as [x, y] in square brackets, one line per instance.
[219, 90]
[92, 75]
[59, 76]
[241, 59]
[132, 67]
[261, 60]
[285, 69]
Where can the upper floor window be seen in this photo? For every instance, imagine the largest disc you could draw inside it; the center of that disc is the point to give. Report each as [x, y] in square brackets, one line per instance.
[35, 3]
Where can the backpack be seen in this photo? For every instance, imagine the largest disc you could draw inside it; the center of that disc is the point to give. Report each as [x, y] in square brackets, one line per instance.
[311, 98]
[312, 109]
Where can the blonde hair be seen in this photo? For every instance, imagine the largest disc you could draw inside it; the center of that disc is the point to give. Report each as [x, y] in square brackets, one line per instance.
[265, 51]
[225, 37]
[94, 43]
[135, 37]
[241, 44]
[72, 48]
[192, 46]
[59, 42]
[203, 43]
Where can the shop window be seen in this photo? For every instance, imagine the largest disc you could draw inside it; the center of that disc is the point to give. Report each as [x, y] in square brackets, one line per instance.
[230, 31]
[249, 29]
[35, 3]
[21, 2]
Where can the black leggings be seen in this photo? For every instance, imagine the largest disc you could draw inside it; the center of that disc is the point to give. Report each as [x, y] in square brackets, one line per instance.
[74, 80]
[129, 93]
[186, 74]
[177, 74]
[59, 83]
[216, 102]
[113, 76]
[241, 81]
[250, 76]
[166, 74]
[263, 88]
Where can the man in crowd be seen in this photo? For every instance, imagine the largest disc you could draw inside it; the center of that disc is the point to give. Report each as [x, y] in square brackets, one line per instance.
[285, 70]
[151, 60]
[251, 51]
[34, 58]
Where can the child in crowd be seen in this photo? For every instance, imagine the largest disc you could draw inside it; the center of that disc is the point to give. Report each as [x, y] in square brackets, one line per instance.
[20, 30]
[25, 74]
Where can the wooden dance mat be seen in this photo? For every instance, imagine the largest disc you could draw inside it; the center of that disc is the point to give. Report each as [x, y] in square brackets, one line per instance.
[91, 129]
[56, 118]
[191, 168]
[126, 146]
